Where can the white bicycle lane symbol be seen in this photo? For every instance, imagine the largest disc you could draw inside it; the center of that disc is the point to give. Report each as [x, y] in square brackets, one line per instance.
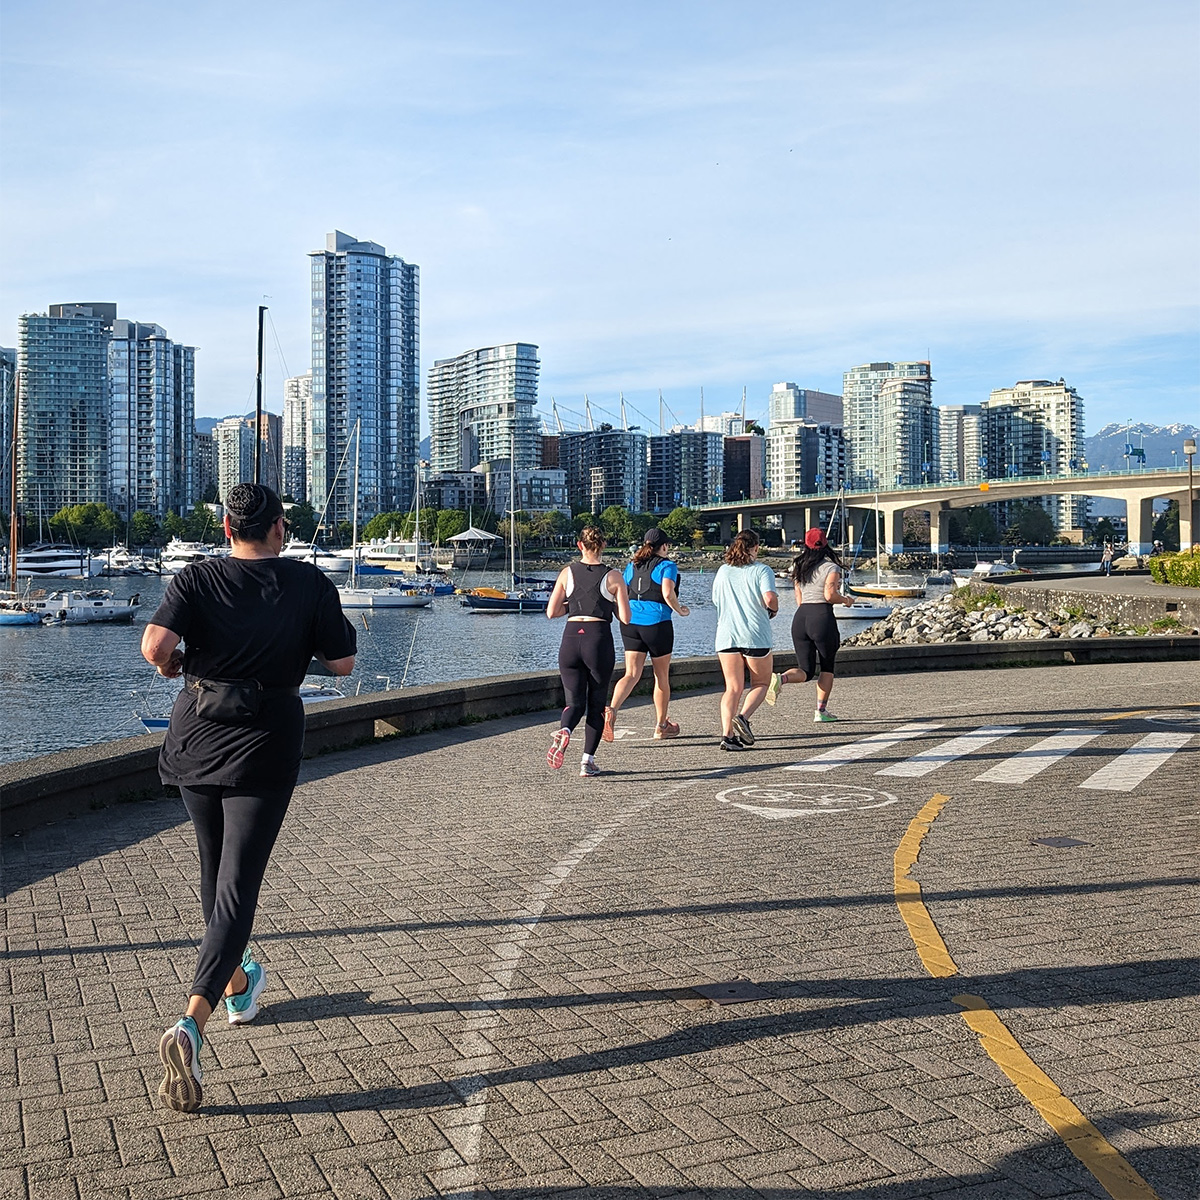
[818, 799]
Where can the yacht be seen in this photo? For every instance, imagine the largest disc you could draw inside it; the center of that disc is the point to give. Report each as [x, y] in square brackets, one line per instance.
[385, 556]
[118, 560]
[59, 559]
[83, 608]
[327, 560]
[179, 554]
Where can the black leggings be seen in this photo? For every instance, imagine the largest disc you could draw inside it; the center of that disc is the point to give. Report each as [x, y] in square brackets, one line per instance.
[815, 638]
[236, 830]
[585, 661]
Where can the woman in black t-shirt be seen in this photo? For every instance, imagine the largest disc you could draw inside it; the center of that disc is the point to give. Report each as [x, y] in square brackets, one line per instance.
[250, 624]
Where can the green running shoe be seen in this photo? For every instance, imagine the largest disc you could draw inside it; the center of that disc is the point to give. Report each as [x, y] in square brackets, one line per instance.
[823, 716]
[242, 1007]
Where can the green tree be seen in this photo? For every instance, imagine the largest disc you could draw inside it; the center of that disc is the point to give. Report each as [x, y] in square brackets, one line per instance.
[548, 526]
[202, 526]
[344, 533]
[1104, 531]
[144, 529]
[450, 523]
[980, 527]
[302, 519]
[617, 525]
[86, 525]
[916, 527]
[209, 495]
[385, 525]
[582, 520]
[1166, 526]
[174, 526]
[752, 426]
[1030, 525]
[639, 523]
[679, 525]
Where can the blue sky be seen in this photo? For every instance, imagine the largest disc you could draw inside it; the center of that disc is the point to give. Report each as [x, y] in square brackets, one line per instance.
[662, 195]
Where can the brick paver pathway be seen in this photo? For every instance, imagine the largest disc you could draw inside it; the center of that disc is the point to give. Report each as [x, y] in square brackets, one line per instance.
[481, 972]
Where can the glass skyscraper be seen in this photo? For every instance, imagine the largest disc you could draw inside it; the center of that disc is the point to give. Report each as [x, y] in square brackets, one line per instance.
[481, 408]
[151, 420]
[863, 420]
[365, 368]
[297, 398]
[62, 438]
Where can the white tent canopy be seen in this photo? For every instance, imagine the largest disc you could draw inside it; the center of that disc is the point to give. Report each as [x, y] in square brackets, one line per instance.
[473, 535]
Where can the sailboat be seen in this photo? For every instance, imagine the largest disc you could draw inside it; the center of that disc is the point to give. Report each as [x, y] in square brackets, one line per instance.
[880, 589]
[514, 599]
[353, 596]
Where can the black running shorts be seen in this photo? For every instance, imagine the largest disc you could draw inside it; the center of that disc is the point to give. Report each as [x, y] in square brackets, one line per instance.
[656, 640]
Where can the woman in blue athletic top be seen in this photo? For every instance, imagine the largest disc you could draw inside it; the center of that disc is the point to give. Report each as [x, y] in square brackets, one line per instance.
[653, 583]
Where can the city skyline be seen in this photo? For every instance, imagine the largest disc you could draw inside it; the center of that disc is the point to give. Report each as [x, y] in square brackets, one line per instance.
[1008, 249]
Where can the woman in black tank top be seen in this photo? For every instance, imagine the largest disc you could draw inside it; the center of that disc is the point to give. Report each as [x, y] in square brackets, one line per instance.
[588, 593]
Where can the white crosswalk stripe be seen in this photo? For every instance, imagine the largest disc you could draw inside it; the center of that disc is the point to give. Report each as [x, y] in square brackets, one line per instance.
[957, 747]
[1125, 772]
[840, 756]
[1025, 764]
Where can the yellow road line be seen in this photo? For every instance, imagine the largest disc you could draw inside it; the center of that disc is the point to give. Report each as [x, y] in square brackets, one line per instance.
[907, 890]
[1142, 712]
[1079, 1135]
[1082, 1138]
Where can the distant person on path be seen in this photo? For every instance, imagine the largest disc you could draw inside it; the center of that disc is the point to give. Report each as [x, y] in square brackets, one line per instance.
[588, 593]
[251, 623]
[746, 600]
[1106, 559]
[652, 580]
[817, 578]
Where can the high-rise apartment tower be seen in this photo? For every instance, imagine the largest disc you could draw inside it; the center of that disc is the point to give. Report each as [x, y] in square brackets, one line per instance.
[297, 399]
[866, 435]
[365, 374]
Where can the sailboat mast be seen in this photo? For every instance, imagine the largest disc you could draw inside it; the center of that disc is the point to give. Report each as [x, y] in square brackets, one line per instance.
[258, 400]
[12, 487]
[512, 512]
[354, 509]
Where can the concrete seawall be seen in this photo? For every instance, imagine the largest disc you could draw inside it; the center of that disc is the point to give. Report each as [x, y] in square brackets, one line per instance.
[1115, 605]
[38, 790]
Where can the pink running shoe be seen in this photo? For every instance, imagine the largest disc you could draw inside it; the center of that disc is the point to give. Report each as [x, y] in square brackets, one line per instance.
[558, 747]
[668, 729]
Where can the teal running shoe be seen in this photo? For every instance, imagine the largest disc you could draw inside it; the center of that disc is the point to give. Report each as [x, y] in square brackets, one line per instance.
[179, 1050]
[242, 1007]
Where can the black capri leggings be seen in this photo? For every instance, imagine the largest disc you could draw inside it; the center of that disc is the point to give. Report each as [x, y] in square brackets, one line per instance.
[815, 638]
[585, 661]
[236, 830]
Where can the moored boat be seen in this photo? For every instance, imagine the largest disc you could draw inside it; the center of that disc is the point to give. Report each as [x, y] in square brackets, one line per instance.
[17, 612]
[179, 554]
[860, 610]
[83, 608]
[326, 560]
[886, 591]
[59, 559]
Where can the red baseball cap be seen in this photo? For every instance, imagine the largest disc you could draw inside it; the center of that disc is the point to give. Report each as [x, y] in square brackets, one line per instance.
[814, 539]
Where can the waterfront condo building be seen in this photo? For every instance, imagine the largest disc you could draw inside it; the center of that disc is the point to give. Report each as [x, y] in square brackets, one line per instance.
[804, 458]
[62, 435]
[8, 384]
[233, 442]
[204, 467]
[866, 434]
[959, 442]
[481, 408]
[745, 467]
[686, 469]
[1035, 428]
[787, 402]
[151, 421]
[365, 374]
[604, 466]
[906, 455]
[297, 399]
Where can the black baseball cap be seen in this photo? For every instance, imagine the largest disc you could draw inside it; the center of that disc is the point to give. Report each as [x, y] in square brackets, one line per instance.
[656, 538]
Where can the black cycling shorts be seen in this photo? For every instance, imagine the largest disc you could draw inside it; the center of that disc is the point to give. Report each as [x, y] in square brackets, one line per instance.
[657, 640]
[815, 638]
[746, 651]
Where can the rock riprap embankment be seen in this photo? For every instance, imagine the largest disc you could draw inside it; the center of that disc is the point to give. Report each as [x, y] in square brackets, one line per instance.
[953, 619]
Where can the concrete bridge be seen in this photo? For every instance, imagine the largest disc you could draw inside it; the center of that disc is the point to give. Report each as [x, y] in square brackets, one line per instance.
[1138, 490]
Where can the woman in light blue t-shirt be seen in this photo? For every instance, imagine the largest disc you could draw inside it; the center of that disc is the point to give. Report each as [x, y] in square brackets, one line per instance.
[746, 600]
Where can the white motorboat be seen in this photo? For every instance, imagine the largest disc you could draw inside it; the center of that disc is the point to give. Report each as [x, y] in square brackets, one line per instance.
[861, 610]
[83, 608]
[59, 559]
[384, 556]
[118, 560]
[327, 560]
[988, 570]
[179, 554]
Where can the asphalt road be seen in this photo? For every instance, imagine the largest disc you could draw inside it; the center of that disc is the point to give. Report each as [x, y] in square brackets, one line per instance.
[483, 973]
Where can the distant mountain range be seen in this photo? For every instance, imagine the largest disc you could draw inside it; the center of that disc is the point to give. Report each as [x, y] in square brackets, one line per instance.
[1106, 449]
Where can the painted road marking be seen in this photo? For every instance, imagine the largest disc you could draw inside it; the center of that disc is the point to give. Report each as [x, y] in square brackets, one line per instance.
[1123, 774]
[924, 933]
[853, 751]
[938, 756]
[1025, 764]
[805, 800]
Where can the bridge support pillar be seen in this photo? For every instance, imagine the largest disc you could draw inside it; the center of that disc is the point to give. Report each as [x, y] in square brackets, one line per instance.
[727, 529]
[794, 525]
[939, 530]
[743, 521]
[857, 520]
[892, 522]
[1139, 515]
[1189, 513]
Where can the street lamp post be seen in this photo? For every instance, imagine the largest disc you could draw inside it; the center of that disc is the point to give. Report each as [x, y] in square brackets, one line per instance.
[1189, 449]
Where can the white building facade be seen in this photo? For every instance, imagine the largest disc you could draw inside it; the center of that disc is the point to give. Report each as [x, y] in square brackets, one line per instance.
[804, 458]
[959, 429]
[906, 454]
[297, 400]
[865, 432]
[787, 402]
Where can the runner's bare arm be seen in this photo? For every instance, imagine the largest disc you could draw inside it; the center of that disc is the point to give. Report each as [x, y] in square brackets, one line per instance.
[669, 595]
[160, 648]
[557, 606]
[616, 585]
[338, 666]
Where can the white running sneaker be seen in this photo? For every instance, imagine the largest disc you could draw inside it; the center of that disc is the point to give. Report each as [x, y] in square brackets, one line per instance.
[823, 716]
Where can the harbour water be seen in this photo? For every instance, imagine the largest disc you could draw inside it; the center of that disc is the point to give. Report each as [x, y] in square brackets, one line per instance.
[77, 685]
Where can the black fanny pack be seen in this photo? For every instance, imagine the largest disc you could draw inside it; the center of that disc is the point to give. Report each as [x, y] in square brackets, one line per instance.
[233, 701]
